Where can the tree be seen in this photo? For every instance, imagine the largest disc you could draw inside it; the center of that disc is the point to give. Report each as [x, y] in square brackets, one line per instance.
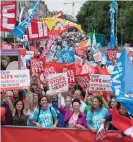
[96, 15]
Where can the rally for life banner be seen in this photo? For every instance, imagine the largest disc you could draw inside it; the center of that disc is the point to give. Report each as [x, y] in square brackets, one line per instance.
[37, 65]
[14, 79]
[100, 82]
[37, 30]
[112, 54]
[58, 82]
[5, 45]
[8, 16]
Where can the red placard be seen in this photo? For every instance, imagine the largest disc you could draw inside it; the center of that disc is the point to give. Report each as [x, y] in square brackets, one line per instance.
[8, 16]
[83, 80]
[112, 54]
[37, 30]
[37, 65]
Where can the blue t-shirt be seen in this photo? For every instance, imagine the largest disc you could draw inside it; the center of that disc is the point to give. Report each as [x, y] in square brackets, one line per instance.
[95, 117]
[45, 118]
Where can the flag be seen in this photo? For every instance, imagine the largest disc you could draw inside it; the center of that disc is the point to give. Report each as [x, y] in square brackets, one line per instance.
[58, 15]
[112, 30]
[122, 81]
[122, 123]
[20, 30]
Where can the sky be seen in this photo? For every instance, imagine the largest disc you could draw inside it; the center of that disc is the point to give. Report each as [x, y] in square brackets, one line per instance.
[58, 5]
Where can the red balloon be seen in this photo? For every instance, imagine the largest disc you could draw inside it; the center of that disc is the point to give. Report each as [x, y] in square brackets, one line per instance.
[2, 111]
[22, 51]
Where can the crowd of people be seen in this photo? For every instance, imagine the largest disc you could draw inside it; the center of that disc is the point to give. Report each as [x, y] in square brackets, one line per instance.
[75, 109]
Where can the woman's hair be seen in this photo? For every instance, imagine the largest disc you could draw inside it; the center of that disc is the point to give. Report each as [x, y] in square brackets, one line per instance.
[118, 103]
[40, 100]
[6, 58]
[99, 98]
[76, 100]
[16, 104]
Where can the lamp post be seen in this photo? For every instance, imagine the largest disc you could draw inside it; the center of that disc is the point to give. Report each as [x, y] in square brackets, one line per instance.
[116, 22]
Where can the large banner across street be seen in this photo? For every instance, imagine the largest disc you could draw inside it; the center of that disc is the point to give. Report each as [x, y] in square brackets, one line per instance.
[59, 135]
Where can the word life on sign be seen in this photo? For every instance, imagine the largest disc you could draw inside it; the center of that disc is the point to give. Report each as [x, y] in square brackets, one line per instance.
[100, 82]
[58, 82]
[14, 79]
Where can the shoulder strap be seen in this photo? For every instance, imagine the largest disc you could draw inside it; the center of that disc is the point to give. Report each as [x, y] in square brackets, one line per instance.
[38, 113]
[51, 113]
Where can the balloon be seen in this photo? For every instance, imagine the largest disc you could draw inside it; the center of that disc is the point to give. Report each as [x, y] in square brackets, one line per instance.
[22, 51]
[2, 111]
[110, 69]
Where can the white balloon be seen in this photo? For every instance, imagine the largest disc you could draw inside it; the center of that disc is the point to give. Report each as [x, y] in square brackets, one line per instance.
[110, 69]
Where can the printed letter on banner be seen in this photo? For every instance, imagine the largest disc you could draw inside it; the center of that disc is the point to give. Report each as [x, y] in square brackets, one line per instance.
[8, 16]
[14, 79]
[100, 82]
[37, 30]
[58, 82]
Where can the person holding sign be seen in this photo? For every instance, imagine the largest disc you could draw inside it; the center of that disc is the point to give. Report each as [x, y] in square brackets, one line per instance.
[96, 114]
[45, 116]
[73, 118]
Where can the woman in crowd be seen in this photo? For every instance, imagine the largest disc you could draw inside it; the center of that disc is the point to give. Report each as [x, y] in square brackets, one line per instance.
[18, 112]
[68, 106]
[73, 118]
[31, 103]
[45, 116]
[114, 105]
[96, 114]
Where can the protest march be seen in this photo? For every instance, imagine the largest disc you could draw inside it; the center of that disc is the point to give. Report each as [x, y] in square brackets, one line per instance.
[58, 83]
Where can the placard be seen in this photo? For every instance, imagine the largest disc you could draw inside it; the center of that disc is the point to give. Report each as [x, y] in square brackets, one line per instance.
[37, 65]
[112, 54]
[58, 82]
[100, 82]
[10, 59]
[83, 80]
[130, 53]
[14, 79]
[97, 57]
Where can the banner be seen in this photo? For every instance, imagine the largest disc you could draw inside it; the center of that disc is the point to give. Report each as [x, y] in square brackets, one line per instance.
[58, 82]
[112, 54]
[122, 82]
[67, 56]
[83, 80]
[100, 82]
[10, 59]
[37, 30]
[37, 65]
[8, 16]
[20, 30]
[52, 37]
[130, 53]
[59, 135]
[5, 45]
[97, 57]
[14, 79]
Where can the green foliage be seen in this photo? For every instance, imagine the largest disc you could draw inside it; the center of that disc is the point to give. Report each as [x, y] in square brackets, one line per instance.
[96, 15]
